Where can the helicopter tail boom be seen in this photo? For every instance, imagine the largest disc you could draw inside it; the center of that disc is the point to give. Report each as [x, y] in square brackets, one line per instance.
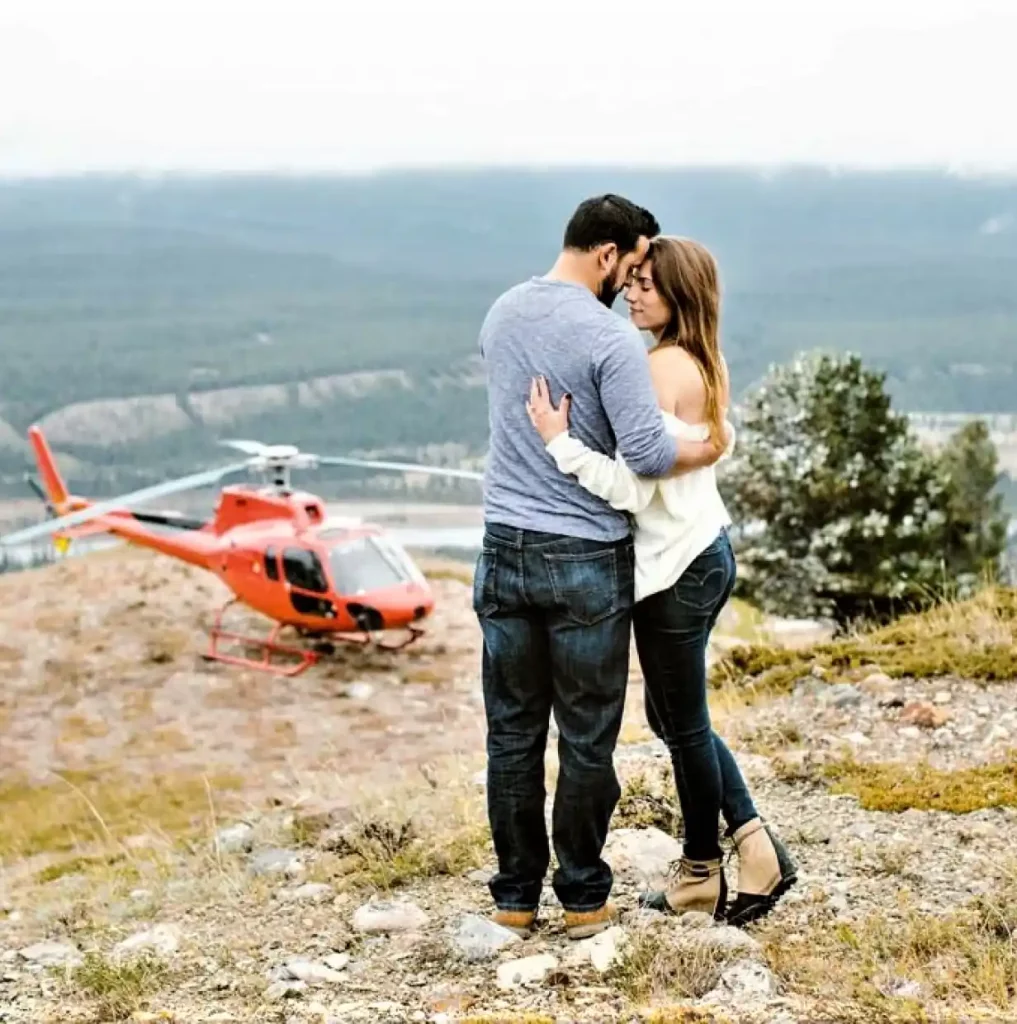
[57, 495]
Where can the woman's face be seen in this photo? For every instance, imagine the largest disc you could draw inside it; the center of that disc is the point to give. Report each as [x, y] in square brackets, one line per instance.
[647, 308]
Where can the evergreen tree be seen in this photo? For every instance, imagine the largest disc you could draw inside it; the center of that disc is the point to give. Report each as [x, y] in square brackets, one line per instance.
[841, 512]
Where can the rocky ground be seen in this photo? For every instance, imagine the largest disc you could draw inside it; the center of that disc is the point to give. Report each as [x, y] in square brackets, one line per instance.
[192, 843]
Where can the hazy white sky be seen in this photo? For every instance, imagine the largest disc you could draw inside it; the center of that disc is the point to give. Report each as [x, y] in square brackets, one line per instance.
[296, 84]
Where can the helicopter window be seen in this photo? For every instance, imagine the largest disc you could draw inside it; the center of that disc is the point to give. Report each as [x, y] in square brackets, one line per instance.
[303, 569]
[271, 564]
[362, 565]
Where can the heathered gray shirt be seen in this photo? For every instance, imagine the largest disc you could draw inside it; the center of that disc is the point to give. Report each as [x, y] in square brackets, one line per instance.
[561, 330]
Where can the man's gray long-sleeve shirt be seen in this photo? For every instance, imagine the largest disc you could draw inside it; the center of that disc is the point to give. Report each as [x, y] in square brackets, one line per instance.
[561, 330]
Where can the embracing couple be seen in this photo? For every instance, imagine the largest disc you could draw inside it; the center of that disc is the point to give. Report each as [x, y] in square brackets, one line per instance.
[602, 514]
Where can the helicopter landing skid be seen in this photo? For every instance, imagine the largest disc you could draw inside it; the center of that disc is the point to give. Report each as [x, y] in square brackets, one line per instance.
[304, 658]
[368, 639]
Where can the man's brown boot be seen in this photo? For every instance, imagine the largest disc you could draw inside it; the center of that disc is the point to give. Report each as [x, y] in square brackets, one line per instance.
[581, 924]
[765, 872]
[692, 885]
[519, 921]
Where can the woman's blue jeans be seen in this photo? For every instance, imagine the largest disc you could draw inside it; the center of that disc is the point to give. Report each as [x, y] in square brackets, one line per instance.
[672, 629]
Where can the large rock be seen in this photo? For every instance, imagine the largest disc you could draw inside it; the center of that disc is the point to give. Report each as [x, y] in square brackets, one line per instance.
[163, 939]
[51, 954]
[642, 853]
[478, 939]
[386, 916]
[276, 862]
[745, 981]
[528, 971]
[606, 949]
[237, 838]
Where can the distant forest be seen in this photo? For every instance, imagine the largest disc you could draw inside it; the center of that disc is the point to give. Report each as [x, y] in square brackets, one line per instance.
[116, 287]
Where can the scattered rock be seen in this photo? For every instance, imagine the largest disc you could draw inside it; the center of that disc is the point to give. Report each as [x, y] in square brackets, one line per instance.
[284, 990]
[385, 916]
[309, 892]
[924, 715]
[317, 816]
[312, 973]
[528, 971]
[877, 684]
[606, 949]
[275, 862]
[163, 939]
[235, 839]
[857, 739]
[643, 852]
[840, 695]
[51, 954]
[726, 938]
[358, 691]
[478, 939]
[742, 982]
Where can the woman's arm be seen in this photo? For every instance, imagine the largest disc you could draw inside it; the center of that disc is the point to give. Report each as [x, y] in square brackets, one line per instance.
[610, 479]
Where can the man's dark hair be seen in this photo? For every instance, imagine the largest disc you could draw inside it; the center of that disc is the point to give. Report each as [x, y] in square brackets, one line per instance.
[609, 218]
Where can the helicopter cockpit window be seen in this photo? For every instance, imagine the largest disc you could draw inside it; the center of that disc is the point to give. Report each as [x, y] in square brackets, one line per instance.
[271, 564]
[303, 569]
[364, 564]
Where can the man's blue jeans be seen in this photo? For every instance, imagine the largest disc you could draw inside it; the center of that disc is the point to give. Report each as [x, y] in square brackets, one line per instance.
[555, 613]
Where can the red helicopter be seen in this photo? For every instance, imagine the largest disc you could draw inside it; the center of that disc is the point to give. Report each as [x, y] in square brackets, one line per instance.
[276, 549]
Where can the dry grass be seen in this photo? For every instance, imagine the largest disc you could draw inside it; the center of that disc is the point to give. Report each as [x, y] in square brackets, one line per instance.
[95, 808]
[118, 989]
[432, 827]
[687, 1015]
[167, 646]
[974, 639]
[771, 739]
[509, 1018]
[649, 800]
[966, 961]
[898, 786]
[658, 964]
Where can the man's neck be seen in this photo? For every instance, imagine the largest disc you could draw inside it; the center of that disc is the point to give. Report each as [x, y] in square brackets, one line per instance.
[572, 267]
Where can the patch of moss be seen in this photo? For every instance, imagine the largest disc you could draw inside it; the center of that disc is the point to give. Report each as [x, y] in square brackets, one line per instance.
[91, 807]
[895, 786]
[973, 639]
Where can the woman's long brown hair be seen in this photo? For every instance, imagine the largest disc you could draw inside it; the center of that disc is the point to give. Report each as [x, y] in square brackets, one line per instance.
[685, 276]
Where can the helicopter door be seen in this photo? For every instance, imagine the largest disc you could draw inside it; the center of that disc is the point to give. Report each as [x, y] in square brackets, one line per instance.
[306, 577]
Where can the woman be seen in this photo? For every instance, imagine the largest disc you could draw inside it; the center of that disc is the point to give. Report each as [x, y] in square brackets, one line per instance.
[685, 572]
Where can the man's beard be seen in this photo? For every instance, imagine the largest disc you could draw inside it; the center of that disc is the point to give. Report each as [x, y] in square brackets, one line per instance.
[608, 292]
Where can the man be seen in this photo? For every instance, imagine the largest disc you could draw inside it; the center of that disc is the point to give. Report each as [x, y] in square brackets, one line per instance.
[553, 588]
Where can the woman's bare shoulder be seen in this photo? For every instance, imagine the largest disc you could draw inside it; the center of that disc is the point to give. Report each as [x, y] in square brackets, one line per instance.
[676, 377]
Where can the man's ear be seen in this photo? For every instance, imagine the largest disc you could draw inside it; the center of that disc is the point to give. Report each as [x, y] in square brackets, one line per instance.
[607, 257]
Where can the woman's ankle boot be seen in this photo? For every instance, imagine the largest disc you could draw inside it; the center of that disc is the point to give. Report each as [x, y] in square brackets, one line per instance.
[692, 885]
[765, 872]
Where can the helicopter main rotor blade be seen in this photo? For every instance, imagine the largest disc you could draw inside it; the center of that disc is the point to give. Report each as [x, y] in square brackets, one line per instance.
[185, 483]
[248, 447]
[402, 467]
